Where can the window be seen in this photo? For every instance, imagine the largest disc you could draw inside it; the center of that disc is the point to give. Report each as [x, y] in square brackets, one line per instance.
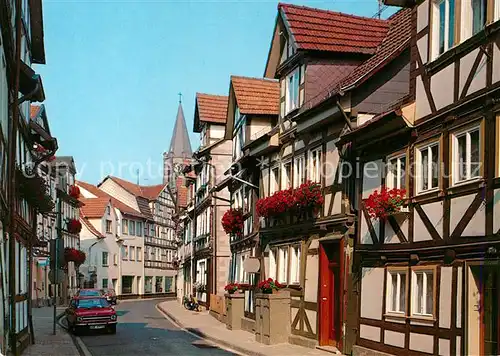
[478, 15]
[275, 173]
[443, 28]
[315, 165]
[396, 292]
[496, 15]
[104, 259]
[428, 167]
[272, 263]
[298, 171]
[396, 174]
[124, 253]
[138, 228]
[104, 283]
[124, 226]
[295, 265]
[132, 253]
[286, 178]
[108, 226]
[467, 162]
[115, 259]
[292, 91]
[422, 292]
[108, 210]
[131, 227]
[283, 264]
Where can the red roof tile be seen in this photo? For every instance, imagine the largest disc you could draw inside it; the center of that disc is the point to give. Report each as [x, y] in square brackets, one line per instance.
[256, 95]
[149, 192]
[393, 44]
[94, 207]
[34, 109]
[91, 228]
[323, 30]
[124, 208]
[212, 108]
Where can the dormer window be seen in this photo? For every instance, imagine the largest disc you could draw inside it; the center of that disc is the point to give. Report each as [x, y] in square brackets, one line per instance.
[292, 91]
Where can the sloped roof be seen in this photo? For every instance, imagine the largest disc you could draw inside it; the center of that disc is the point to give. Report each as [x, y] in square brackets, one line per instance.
[324, 30]
[180, 145]
[94, 207]
[149, 192]
[395, 42]
[124, 208]
[210, 108]
[91, 227]
[256, 95]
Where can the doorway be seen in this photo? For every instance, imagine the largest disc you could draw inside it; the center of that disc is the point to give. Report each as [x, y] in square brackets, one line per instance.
[331, 293]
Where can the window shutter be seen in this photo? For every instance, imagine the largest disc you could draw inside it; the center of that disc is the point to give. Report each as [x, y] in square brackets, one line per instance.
[302, 85]
[282, 99]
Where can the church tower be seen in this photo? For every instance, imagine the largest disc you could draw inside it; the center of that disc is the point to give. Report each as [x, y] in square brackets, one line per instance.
[180, 151]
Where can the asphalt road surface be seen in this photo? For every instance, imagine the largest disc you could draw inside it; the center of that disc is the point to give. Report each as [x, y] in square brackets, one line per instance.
[143, 331]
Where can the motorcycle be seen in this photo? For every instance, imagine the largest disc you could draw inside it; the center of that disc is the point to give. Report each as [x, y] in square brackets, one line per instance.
[191, 304]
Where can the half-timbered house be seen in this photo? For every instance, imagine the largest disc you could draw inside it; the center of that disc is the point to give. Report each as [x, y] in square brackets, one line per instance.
[328, 83]
[428, 271]
[253, 108]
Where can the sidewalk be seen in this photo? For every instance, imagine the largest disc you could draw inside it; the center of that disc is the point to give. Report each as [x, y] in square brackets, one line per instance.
[241, 341]
[47, 344]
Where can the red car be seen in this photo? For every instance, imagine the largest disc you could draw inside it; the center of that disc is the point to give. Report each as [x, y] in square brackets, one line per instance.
[93, 313]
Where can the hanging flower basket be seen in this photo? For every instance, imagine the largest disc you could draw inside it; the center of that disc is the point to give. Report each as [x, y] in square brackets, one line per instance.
[74, 192]
[269, 285]
[232, 288]
[74, 226]
[232, 222]
[74, 255]
[386, 202]
[34, 190]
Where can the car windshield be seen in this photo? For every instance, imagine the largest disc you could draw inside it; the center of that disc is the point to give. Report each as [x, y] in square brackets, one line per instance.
[92, 303]
[89, 293]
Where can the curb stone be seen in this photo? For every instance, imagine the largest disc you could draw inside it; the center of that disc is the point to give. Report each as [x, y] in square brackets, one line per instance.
[201, 334]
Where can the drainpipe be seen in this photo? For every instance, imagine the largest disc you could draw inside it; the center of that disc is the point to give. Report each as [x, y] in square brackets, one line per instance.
[12, 144]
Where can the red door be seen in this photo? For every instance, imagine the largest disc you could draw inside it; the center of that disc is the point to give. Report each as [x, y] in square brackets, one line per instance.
[330, 294]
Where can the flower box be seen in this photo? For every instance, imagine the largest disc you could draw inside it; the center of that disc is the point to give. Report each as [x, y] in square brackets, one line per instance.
[387, 202]
[232, 288]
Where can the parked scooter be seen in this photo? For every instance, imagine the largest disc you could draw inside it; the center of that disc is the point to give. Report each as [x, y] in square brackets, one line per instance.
[191, 303]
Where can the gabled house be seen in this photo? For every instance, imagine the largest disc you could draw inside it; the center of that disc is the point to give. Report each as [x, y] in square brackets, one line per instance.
[319, 57]
[210, 244]
[252, 113]
[155, 203]
[428, 269]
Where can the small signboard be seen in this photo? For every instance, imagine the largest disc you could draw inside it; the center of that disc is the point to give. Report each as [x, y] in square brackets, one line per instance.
[251, 265]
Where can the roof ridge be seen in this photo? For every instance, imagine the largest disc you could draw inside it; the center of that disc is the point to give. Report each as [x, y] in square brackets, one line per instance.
[282, 4]
[218, 95]
[256, 78]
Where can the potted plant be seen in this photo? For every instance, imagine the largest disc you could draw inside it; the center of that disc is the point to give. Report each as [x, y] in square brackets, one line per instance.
[269, 286]
[232, 222]
[387, 202]
[231, 288]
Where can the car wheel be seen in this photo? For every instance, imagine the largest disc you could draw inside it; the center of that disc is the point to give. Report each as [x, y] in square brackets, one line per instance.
[112, 329]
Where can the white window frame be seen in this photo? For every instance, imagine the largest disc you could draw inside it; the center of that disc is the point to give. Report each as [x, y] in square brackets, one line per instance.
[390, 292]
[274, 184]
[496, 15]
[295, 264]
[298, 170]
[390, 177]
[430, 165]
[456, 158]
[436, 26]
[292, 91]
[315, 171]
[273, 254]
[414, 292]
[282, 267]
[286, 175]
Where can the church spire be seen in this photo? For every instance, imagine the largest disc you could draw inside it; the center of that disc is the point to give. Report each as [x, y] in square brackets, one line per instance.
[180, 146]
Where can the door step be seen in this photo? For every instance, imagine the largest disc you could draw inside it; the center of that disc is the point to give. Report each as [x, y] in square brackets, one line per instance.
[331, 349]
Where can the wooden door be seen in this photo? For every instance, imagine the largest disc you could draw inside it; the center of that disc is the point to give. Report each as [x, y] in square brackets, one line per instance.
[330, 294]
[490, 316]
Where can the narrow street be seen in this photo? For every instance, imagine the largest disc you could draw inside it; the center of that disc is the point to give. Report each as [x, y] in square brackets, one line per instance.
[142, 330]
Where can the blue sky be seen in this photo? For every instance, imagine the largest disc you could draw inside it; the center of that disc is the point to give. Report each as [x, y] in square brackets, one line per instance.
[114, 69]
